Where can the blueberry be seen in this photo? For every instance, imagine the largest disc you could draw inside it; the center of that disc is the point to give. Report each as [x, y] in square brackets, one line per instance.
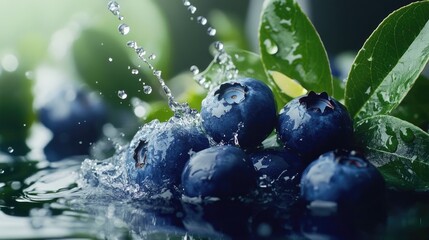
[277, 166]
[342, 180]
[220, 172]
[314, 124]
[240, 112]
[159, 151]
[75, 118]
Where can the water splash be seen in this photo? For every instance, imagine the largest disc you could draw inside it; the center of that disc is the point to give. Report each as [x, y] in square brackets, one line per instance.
[124, 29]
[10, 150]
[194, 69]
[147, 89]
[227, 67]
[178, 108]
[122, 94]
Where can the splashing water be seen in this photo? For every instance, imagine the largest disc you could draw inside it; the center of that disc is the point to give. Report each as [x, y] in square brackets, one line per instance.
[122, 94]
[227, 66]
[124, 29]
[10, 149]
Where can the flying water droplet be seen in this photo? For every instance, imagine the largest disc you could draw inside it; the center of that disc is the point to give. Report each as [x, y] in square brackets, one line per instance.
[218, 46]
[132, 44]
[134, 71]
[152, 57]
[192, 9]
[201, 80]
[124, 29]
[157, 73]
[113, 7]
[211, 31]
[186, 3]
[202, 20]
[147, 89]
[10, 149]
[140, 52]
[122, 94]
[194, 69]
[110, 59]
[222, 58]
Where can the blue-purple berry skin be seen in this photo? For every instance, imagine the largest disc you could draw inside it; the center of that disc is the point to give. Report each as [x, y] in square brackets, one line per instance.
[239, 112]
[313, 124]
[221, 172]
[345, 178]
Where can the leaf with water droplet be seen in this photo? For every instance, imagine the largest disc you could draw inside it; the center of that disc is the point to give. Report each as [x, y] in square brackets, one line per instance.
[398, 149]
[293, 49]
[399, 51]
[414, 107]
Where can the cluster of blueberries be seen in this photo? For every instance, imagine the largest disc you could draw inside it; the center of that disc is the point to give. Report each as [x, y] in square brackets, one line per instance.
[220, 156]
[238, 150]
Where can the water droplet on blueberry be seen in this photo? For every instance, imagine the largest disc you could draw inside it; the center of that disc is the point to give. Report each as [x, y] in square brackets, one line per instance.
[317, 102]
[140, 154]
[232, 94]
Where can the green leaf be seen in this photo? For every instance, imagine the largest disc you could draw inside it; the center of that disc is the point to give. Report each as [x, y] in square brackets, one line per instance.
[339, 89]
[398, 149]
[415, 106]
[390, 61]
[290, 45]
[230, 29]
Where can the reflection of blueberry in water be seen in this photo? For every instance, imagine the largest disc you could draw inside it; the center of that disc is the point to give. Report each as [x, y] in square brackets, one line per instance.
[155, 219]
[273, 222]
[158, 153]
[218, 219]
[75, 119]
[239, 112]
[314, 124]
[327, 227]
[220, 172]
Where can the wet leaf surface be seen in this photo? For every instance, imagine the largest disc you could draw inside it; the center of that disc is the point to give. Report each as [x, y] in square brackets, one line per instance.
[399, 150]
[290, 45]
[389, 63]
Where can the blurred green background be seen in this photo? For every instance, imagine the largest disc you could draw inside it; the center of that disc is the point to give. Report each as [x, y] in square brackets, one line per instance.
[48, 46]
